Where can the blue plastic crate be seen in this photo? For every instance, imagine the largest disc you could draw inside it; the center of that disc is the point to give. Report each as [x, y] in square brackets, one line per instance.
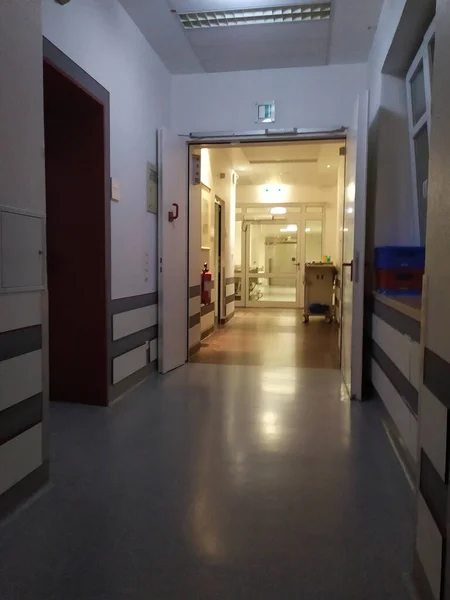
[400, 257]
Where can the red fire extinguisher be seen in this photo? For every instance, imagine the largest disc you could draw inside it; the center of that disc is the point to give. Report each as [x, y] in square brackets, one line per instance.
[206, 285]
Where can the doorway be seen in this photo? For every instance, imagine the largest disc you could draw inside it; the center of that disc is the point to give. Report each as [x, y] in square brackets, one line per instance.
[271, 267]
[76, 122]
[279, 211]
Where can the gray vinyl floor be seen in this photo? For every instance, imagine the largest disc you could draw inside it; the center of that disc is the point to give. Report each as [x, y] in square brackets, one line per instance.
[216, 482]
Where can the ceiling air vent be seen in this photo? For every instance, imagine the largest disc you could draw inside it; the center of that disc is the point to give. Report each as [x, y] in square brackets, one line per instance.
[256, 16]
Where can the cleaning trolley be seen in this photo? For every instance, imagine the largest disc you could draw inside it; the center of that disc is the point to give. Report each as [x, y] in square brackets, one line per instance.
[320, 279]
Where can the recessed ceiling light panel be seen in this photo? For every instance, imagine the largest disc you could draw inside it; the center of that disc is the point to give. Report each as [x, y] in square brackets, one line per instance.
[256, 16]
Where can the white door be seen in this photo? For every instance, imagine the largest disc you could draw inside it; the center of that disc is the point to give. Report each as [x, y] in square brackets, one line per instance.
[273, 265]
[172, 242]
[354, 240]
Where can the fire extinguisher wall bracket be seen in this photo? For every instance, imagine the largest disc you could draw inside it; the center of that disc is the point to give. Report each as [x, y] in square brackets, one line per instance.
[206, 285]
[174, 215]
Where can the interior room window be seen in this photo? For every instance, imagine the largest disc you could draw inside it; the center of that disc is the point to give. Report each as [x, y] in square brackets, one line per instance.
[418, 100]
[418, 89]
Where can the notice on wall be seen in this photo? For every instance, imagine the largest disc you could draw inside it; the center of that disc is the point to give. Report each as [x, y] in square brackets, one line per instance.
[152, 188]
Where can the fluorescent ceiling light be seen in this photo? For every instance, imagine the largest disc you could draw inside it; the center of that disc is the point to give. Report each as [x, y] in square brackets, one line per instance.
[278, 210]
[256, 16]
[289, 228]
[284, 162]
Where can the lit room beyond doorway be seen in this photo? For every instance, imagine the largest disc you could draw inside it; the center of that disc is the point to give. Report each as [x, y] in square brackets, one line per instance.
[261, 215]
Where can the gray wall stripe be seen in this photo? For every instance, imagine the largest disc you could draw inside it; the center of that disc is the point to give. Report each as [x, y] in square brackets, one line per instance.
[229, 299]
[436, 376]
[230, 280]
[125, 304]
[130, 342]
[194, 349]
[194, 291]
[227, 318]
[404, 387]
[20, 341]
[397, 320]
[126, 384]
[396, 436]
[194, 320]
[434, 491]
[20, 417]
[206, 309]
[207, 332]
[25, 488]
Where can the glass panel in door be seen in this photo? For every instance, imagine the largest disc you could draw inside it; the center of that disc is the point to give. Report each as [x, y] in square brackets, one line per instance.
[313, 240]
[273, 264]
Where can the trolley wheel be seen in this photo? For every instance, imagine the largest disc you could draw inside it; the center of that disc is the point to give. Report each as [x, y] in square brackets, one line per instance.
[328, 320]
[305, 319]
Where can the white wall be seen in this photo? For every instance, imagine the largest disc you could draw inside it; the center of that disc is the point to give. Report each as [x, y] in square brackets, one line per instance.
[387, 26]
[22, 186]
[248, 194]
[305, 97]
[102, 39]
[390, 182]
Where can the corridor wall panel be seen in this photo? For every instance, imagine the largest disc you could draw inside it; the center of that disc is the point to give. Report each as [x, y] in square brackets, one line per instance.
[23, 466]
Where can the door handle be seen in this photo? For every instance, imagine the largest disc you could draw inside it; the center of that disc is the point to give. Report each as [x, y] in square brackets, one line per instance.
[173, 216]
[349, 264]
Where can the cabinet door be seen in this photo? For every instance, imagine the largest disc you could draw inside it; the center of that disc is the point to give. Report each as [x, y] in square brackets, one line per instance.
[22, 251]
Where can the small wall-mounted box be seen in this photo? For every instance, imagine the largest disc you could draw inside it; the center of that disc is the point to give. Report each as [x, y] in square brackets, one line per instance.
[22, 251]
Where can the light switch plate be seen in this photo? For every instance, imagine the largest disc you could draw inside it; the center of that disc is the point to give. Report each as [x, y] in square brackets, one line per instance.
[115, 190]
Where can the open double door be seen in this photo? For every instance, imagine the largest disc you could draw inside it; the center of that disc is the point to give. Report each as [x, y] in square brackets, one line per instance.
[173, 155]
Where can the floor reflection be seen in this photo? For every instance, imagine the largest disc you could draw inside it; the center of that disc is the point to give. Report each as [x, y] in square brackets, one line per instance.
[272, 338]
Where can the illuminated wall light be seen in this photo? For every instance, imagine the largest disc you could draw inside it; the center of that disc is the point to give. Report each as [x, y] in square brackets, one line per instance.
[278, 210]
[308, 229]
[345, 229]
[328, 166]
[350, 211]
[289, 228]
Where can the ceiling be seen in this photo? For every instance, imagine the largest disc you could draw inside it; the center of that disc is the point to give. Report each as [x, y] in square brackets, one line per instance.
[307, 163]
[345, 38]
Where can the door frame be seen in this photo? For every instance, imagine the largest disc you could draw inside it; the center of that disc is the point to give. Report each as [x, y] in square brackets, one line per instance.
[219, 295]
[231, 139]
[53, 56]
